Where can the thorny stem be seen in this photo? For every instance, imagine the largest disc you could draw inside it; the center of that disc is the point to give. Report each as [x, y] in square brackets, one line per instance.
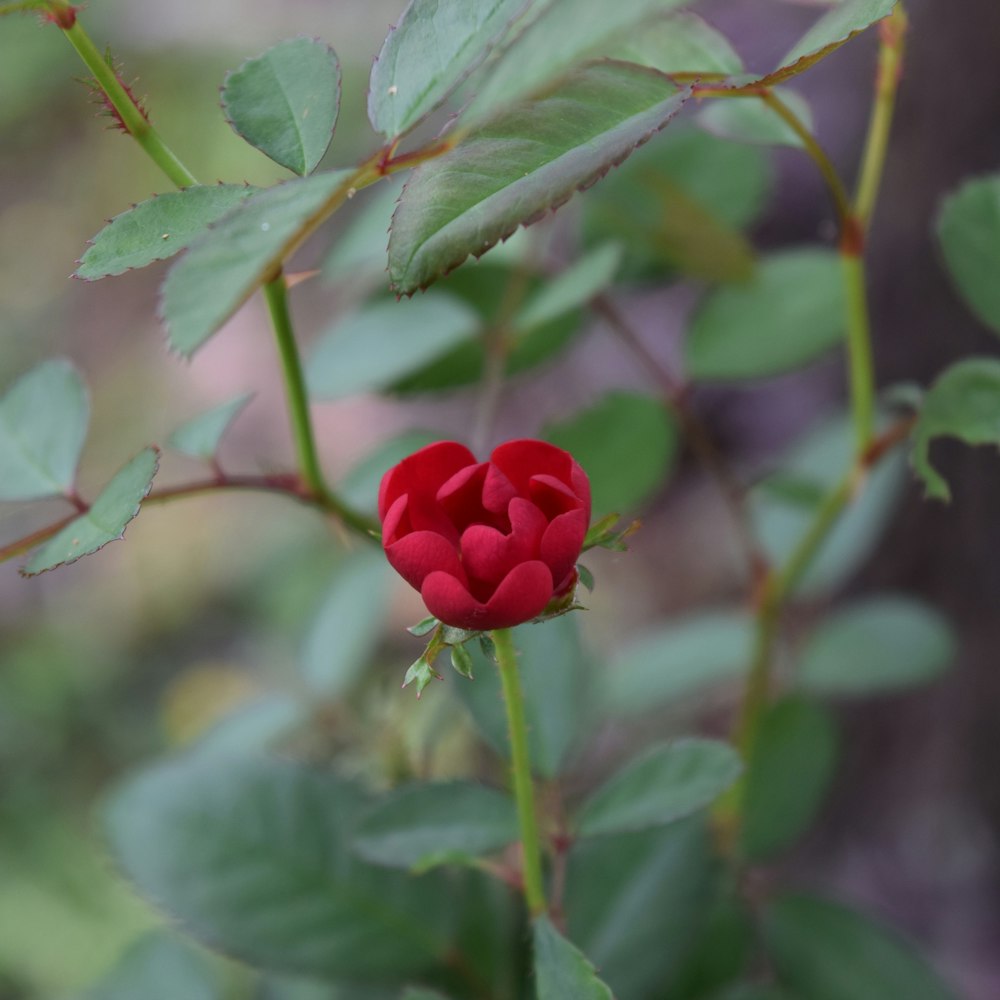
[520, 764]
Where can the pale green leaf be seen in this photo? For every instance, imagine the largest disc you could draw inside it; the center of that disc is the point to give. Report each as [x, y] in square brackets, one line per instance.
[664, 785]
[753, 121]
[527, 161]
[358, 253]
[791, 765]
[106, 519]
[626, 443]
[564, 33]
[360, 486]
[253, 856]
[158, 228]
[838, 25]
[424, 825]
[228, 263]
[825, 951]
[200, 436]
[419, 993]
[347, 625]
[387, 341]
[562, 971]
[963, 403]
[883, 643]
[256, 726]
[678, 43]
[285, 102]
[436, 44]
[787, 315]
[677, 660]
[43, 424]
[969, 230]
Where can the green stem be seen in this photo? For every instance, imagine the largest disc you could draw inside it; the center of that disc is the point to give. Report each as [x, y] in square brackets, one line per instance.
[132, 118]
[534, 891]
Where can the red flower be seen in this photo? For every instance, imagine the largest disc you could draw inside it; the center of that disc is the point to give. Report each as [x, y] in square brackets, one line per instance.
[487, 544]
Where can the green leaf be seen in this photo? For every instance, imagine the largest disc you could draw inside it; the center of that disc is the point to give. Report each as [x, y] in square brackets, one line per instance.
[106, 519]
[347, 625]
[753, 121]
[256, 726]
[575, 287]
[43, 424]
[969, 230]
[664, 785]
[200, 437]
[784, 505]
[963, 403]
[358, 252]
[226, 265]
[159, 967]
[677, 660]
[521, 164]
[565, 33]
[386, 341]
[626, 443]
[792, 763]
[834, 28]
[419, 993]
[635, 902]
[562, 972]
[554, 672]
[825, 951]
[429, 824]
[880, 644]
[788, 315]
[360, 486]
[253, 856]
[724, 950]
[436, 44]
[285, 102]
[678, 43]
[158, 228]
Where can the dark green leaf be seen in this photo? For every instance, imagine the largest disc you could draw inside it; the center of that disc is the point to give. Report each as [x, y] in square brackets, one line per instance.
[200, 437]
[525, 162]
[554, 673]
[106, 519]
[723, 951]
[678, 43]
[253, 856]
[792, 764]
[430, 824]
[226, 265]
[360, 486]
[834, 28]
[347, 625]
[969, 230]
[562, 972]
[43, 423]
[879, 644]
[677, 660]
[626, 443]
[784, 505]
[385, 342]
[824, 951]
[790, 313]
[419, 993]
[158, 228]
[560, 37]
[748, 120]
[285, 102]
[664, 785]
[963, 403]
[159, 967]
[635, 902]
[436, 44]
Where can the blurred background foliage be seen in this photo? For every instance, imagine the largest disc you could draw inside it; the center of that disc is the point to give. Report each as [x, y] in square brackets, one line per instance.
[216, 607]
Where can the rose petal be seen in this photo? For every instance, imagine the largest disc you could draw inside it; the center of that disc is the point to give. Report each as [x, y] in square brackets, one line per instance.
[396, 521]
[581, 487]
[423, 472]
[498, 490]
[553, 496]
[521, 596]
[419, 553]
[562, 542]
[522, 459]
[489, 555]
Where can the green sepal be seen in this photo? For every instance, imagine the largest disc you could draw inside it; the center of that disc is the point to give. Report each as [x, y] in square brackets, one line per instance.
[461, 660]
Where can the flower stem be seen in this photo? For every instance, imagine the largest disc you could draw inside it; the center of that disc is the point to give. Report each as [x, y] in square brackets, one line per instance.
[859, 349]
[534, 891]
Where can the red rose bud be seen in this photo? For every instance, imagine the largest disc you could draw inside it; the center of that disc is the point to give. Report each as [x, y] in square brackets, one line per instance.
[487, 544]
